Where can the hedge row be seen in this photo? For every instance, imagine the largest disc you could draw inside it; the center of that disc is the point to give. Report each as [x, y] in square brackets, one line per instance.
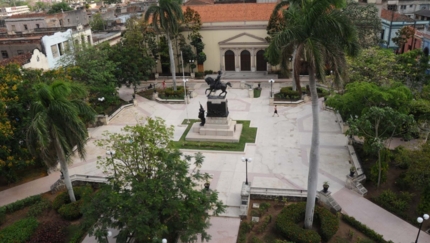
[20, 204]
[287, 225]
[20, 231]
[364, 229]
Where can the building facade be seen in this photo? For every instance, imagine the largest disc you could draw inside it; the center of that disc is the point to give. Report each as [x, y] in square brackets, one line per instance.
[10, 11]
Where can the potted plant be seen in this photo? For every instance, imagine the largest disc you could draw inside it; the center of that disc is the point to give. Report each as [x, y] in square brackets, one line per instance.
[325, 186]
[207, 185]
[352, 171]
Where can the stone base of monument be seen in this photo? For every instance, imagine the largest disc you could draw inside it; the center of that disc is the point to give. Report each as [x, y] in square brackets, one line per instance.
[216, 129]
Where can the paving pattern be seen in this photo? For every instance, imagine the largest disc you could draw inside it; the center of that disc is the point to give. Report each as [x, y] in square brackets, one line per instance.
[280, 156]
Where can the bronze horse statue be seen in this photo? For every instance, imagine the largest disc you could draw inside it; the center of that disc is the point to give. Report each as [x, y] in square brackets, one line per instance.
[215, 85]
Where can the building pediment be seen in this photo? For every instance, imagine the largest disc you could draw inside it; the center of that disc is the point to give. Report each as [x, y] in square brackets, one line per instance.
[243, 39]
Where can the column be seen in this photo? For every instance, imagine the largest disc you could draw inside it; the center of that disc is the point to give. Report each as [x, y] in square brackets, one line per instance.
[253, 60]
[222, 60]
[237, 59]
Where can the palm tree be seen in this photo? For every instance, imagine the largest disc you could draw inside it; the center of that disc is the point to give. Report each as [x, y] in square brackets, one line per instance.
[166, 18]
[58, 122]
[321, 35]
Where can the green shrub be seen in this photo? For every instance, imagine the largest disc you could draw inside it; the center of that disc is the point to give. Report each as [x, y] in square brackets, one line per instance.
[2, 217]
[244, 229]
[20, 204]
[208, 72]
[255, 213]
[374, 172]
[363, 229]
[20, 231]
[264, 207]
[199, 74]
[71, 211]
[38, 208]
[393, 202]
[402, 157]
[256, 240]
[424, 204]
[402, 183]
[286, 224]
[329, 223]
[263, 224]
[50, 232]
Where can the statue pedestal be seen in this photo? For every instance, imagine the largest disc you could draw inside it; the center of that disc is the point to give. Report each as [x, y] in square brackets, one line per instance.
[219, 127]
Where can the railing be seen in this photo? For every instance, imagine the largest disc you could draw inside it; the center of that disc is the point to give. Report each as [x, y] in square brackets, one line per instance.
[278, 192]
[76, 177]
[118, 111]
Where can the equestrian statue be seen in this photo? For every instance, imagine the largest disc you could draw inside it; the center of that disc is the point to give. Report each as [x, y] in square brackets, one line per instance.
[215, 85]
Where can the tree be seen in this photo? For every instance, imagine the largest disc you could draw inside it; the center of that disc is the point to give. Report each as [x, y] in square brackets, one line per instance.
[97, 23]
[321, 34]
[165, 17]
[374, 65]
[151, 193]
[40, 6]
[366, 19]
[58, 118]
[412, 69]
[361, 96]
[377, 125]
[402, 37]
[59, 7]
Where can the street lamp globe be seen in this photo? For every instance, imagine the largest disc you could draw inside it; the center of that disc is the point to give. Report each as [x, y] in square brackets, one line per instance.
[426, 216]
[420, 220]
[164, 241]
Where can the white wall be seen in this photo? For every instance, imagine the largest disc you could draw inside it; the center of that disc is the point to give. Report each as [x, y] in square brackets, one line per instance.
[50, 45]
[37, 61]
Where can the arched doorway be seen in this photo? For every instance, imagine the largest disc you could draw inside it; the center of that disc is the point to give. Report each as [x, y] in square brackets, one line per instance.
[261, 62]
[245, 61]
[229, 61]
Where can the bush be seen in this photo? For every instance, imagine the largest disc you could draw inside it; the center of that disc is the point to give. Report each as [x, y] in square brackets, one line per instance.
[208, 72]
[38, 208]
[66, 208]
[256, 240]
[392, 202]
[50, 232]
[263, 224]
[424, 205]
[286, 224]
[402, 157]
[19, 232]
[71, 211]
[2, 217]
[363, 229]
[264, 207]
[244, 229]
[20, 204]
[255, 213]
[199, 74]
[289, 217]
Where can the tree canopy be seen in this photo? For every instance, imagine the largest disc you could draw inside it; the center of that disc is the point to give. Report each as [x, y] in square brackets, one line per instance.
[151, 193]
[59, 7]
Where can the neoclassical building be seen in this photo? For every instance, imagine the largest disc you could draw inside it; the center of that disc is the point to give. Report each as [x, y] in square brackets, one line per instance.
[234, 36]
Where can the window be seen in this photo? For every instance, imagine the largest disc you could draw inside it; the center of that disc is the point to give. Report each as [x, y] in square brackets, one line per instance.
[61, 22]
[66, 46]
[68, 21]
[83, 40]
[4, 54]
[411, 6]
[60, 49]
[13, 28]
[54, 50]
[25, 27]
[20, 52]
[392, 7]
[402, 6]
[37, 26]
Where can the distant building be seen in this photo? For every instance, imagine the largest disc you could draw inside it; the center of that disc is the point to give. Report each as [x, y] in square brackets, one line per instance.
[408, 7]
[10, 11]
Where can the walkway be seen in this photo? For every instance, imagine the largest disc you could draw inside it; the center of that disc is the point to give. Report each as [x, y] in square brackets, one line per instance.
[280, 154]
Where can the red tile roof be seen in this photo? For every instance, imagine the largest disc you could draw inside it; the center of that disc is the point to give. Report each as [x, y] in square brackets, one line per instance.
[20, 59]
[396, 17]
[234, 12]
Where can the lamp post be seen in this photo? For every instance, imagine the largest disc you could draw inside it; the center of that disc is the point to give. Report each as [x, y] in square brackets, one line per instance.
[191, 61]
[185, 97]
[246, 160]
[271, 81]
[420, 221]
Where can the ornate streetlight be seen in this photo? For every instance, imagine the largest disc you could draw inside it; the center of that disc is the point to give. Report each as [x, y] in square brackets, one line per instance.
[191, 62]
[246, 160]
[271, 81]
[420, 221]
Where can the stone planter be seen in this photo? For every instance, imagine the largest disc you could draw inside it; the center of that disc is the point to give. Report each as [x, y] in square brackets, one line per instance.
[193, 75]
[325, 188]
[156, 75]
[237, 69]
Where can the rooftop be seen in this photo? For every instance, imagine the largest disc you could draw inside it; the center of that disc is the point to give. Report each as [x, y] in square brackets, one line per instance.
[423, 12]
[28, 15]
[234, 12]
[396, 17]
[20, 59]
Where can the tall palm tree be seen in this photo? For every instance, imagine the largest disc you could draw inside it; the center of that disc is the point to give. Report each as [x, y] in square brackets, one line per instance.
[58, 122]
[321, 34]
[166, 17]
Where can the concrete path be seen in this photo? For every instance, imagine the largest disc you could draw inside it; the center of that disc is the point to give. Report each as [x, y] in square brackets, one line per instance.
[280, 153]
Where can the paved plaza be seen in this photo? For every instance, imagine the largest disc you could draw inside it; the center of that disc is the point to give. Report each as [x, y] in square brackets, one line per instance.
[280, 158]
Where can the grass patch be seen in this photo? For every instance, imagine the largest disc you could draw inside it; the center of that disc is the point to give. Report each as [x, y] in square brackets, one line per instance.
[248, 136]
